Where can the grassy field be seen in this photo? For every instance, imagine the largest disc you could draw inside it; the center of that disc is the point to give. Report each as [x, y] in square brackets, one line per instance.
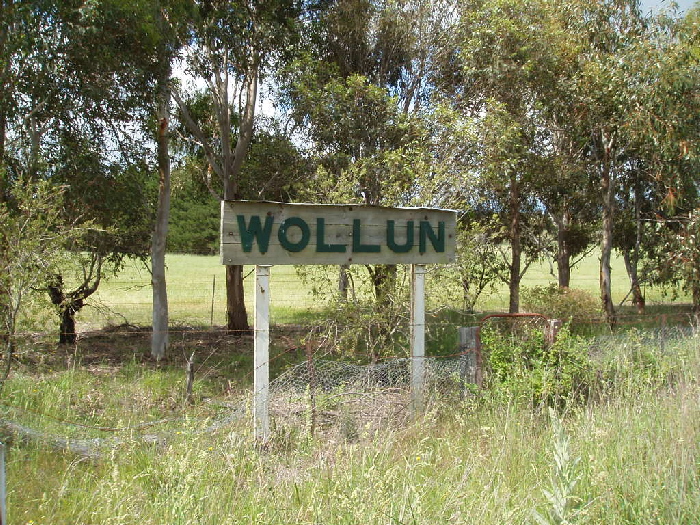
[196, 288]
[628, 454]
[99, 433]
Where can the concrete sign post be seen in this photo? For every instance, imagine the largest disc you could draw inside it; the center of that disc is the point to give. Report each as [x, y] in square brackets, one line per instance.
[270, 233]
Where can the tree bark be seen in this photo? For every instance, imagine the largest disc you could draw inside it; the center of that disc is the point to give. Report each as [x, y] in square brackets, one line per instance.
[606, 242]
[632, 257]
[563, 251]
[635, 288]
[67, 330]
[383, 277]
[71, 303]
[236, 315]
[343, 282]
[159, 336]
[515, 246]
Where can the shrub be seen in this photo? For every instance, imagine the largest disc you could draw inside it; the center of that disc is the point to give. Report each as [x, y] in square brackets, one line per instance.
[524, 367]
[560, 303]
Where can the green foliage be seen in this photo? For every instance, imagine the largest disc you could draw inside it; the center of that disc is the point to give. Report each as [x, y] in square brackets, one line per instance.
[368, 150]
[682, 251]
[561, 499]
[556, 302]
[355, 326]
[33, 238]
[478, 268]
[521, 366]
[194, 224]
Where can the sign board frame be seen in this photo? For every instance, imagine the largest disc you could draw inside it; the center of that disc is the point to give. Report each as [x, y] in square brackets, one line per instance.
[271, 233]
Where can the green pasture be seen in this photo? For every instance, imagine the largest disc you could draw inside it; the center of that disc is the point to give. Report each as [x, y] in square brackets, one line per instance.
[196, 292]
[620, 445]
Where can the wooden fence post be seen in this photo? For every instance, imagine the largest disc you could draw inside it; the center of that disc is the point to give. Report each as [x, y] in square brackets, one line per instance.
[261, 359]
[467, 349]
[551, 330]
[417, 338]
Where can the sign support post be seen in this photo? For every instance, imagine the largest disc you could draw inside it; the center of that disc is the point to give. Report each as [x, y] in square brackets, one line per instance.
[272, 233]
[261, 360]
[417, 338]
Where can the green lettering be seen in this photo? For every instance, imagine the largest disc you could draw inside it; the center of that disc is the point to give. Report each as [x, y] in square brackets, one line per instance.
[391, 240]
[305, 234]
[321, 245]
[357, 245]
[255, 230]
[427, 232]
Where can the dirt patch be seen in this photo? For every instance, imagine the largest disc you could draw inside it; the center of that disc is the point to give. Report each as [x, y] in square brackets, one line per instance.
[217, 352]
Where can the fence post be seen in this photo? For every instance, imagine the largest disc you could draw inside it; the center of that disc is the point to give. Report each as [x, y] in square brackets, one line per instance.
[311, 369]
[467, 349]
[261, 359]
[417, 337]
[3, 489]
[551, 330]
[189, 372]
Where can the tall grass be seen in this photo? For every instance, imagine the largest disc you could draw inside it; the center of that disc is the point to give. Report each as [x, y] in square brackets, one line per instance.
[633, 449]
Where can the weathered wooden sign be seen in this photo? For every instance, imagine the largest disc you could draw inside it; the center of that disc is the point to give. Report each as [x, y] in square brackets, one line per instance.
[272, 233]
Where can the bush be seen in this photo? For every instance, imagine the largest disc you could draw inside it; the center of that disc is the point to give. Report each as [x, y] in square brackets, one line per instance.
[525, 368]
[560, 303]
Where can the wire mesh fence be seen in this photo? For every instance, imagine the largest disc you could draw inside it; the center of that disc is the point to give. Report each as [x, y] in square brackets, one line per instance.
[321, 394]
[348, 387]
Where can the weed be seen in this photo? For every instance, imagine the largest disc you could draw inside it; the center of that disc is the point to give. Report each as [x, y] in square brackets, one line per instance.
[562, 502]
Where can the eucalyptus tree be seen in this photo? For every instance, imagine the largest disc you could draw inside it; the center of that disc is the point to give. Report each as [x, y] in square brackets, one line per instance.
[358, 91]
[664, 124]
[169, 19]
[581, 77]
[233, 45]
[638, 86]
[604, 87]
[80, 81]
[493, 72]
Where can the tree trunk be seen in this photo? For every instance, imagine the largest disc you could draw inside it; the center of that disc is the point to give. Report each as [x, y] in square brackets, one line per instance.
[606, 242]
[72, 302]
[515, 246]
[632, 258]
[236, 315]
[67, 331]
[636, 290]
[343, 282]
[159, 336]
[563, 251]
[383, 278]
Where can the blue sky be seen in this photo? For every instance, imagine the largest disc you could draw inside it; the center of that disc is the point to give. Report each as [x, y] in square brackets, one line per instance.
[684, 5]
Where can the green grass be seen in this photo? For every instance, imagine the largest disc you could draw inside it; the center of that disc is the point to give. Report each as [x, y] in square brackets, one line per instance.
[633, 449]
[196, 293]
